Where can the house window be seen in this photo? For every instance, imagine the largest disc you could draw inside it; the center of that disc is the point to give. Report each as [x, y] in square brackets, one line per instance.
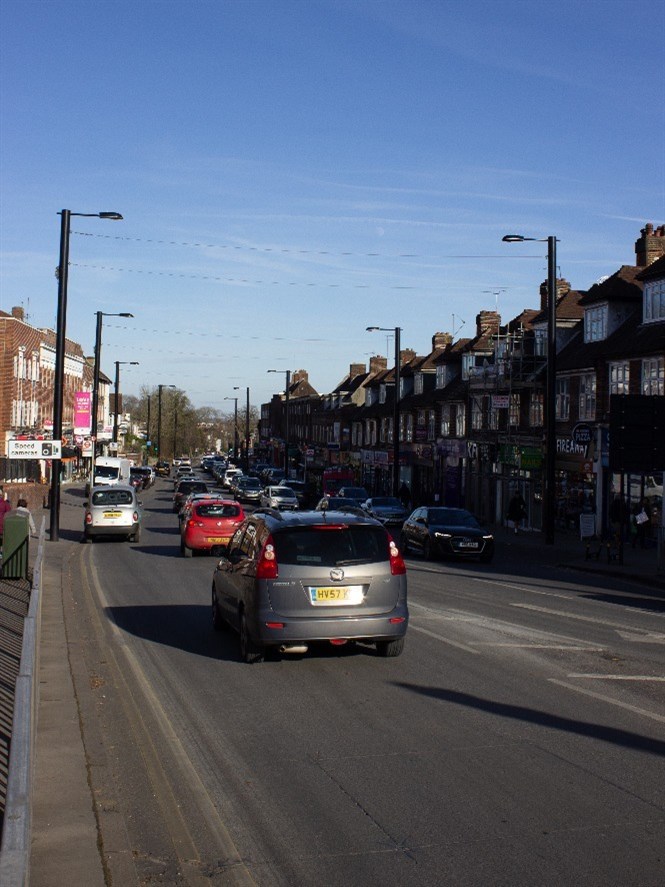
[562, 404]
[431, 425]
[536, 409]
[382, 394]
[494, 418]
[654, 301]
[384, 430]
[409, 427]
[514, 409]
[587, 398]
[619, 377]
[653, 376]
[540, 342]
[418, 384]
[476, 414]
[445, 420]
[595, 324]
[460, 420]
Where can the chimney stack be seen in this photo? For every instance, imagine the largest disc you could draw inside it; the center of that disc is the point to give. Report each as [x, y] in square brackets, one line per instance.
[18, 313]
[378, 364]
[441, 340]
[650, 246]
[487, 322]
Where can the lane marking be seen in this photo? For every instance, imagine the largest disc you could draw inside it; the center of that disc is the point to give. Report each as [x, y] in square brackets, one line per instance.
[618, 677]
[565, 597]
[568, 615]
[602, 698]
[542, 646]
[443, 640]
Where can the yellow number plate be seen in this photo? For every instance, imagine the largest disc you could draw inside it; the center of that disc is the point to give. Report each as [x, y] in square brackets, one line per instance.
[113, 514]
[218, 540]
[336, 595]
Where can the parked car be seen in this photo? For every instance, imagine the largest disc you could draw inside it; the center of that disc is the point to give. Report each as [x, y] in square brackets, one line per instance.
[360, 494]
[248, 489]
[388, 509]
[208, 524]
[281, 498]
[184, 488]
[112, 511]
[287, 581]
[446, 532]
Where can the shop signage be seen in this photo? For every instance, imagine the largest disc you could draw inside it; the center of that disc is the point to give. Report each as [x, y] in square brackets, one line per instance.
[582, 434]
[82, 412]
[500, 401]
[34, 449]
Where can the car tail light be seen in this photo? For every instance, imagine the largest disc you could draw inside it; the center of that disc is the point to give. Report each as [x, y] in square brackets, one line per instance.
[397, 565]
[135, 517]
[194, 523]
[88, 517]
[267, 568]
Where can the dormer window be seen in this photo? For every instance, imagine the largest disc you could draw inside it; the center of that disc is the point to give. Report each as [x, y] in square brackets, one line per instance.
[654, 301]
[595, 323]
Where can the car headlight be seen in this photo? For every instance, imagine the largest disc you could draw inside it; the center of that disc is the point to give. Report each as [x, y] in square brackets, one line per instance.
[443, 535]
[488, 538]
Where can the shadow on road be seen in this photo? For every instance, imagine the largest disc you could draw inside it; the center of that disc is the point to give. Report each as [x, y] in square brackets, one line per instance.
[541, 718]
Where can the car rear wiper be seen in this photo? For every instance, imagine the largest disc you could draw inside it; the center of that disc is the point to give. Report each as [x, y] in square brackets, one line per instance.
[351, 561]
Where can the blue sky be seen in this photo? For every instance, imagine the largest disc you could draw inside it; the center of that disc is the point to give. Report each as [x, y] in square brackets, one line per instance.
[293, 171]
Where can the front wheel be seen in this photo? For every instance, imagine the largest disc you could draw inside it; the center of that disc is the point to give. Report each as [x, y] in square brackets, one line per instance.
[428, 552]
[389, 649]
[249, 652]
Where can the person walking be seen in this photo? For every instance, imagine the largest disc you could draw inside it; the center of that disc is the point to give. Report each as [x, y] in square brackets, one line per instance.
[22, 508]
[516, 511]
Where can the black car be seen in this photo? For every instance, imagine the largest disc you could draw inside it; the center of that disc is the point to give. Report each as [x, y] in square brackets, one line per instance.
[446, 532]
[184, 488]
[388, 509]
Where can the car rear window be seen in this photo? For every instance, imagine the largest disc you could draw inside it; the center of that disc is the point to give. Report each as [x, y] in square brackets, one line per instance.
[214, 510]
[112, 497]
[331, 545]
[192, 486]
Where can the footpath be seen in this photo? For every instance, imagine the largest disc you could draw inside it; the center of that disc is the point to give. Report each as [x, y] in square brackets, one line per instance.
[65, 848]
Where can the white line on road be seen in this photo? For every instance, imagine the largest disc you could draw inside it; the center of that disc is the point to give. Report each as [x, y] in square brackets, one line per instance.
[439, 637]
[565, 597]
[618, 677]
[639, 711]
[542, 647]
[567, 615]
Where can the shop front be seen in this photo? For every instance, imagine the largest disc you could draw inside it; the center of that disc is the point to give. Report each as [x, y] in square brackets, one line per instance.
[575, 482]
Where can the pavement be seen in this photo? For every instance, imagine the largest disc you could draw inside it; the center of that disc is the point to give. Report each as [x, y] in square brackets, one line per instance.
[66, 847]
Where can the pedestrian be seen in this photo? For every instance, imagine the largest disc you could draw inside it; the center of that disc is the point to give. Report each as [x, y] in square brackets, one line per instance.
[516, 511]
[22, 508]
[5, 506]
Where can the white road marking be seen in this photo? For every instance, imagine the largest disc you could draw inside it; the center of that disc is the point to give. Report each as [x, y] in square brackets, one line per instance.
[567, 615]
[443, 640]
[570, 647]
[617, 677]
[639, 711]
[565, 597]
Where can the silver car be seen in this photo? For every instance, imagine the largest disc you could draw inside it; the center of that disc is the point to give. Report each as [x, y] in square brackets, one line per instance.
[290, 580]
[112, 511]
[281, 498]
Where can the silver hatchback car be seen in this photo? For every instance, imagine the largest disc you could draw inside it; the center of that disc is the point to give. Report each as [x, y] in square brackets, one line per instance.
[113, 511]
[291, 580]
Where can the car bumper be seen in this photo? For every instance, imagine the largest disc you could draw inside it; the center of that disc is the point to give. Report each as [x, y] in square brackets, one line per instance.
[353, 628]
[126, 530]
[448, 550]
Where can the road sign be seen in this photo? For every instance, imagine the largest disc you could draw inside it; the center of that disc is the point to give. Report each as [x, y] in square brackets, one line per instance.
[34, 449]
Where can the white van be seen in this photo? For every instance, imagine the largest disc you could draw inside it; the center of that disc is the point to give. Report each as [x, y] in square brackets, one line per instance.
[111, 470]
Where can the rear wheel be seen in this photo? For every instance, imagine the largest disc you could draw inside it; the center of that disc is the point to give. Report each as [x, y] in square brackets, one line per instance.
[249, 652]
[136, 537]
[390, 648]
[187, 552]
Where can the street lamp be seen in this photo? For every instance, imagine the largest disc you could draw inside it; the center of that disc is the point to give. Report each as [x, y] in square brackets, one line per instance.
[235, 426]
[287, 373]
[237, 388]
[118, 363]
[60, 345]
[97, 370]
[550, 407]
[159, 419]
[397, 330]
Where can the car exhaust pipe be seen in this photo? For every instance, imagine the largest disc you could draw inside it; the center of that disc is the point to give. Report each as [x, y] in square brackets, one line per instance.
[293, 648]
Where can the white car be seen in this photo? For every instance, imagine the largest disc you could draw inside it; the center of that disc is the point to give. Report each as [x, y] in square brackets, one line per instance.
[112, 511]
[229, 475]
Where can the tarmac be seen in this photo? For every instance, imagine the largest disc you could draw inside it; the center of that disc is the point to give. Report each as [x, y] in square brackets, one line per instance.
[66, 847]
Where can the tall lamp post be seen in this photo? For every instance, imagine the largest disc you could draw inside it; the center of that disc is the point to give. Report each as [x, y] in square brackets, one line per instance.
[550, 406]
[237, 388]
[235, 426]
[118, 364]
[398, 371]
[159, 419]
[60, 345]
[287, 373]
[97, 370]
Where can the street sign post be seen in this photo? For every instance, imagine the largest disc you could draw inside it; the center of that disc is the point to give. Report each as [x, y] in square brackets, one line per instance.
[34, 449]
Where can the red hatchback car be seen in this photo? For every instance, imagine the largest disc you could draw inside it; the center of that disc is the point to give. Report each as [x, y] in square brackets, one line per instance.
[208, 523]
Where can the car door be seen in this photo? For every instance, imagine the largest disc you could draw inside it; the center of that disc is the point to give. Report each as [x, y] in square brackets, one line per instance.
[418, 528]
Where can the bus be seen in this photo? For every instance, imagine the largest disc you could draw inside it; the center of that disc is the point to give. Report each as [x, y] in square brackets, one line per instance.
[334, 478]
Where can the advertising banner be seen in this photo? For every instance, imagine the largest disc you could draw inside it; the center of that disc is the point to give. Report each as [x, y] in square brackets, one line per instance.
[82, 412]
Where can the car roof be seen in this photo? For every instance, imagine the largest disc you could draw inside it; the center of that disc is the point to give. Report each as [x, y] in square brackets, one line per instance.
[279, 519]
[114, 487]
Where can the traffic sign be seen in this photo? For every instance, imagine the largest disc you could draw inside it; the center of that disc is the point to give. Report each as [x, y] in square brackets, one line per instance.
[34, 449]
